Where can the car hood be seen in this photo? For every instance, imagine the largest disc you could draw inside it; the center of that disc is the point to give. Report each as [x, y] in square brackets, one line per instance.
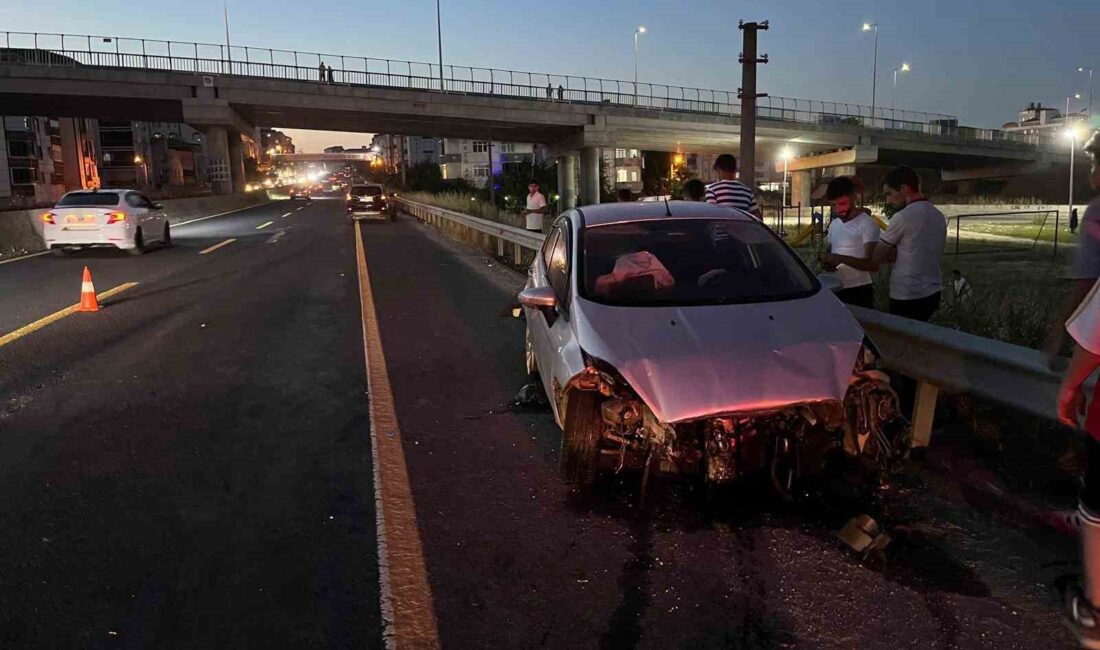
[693, 362]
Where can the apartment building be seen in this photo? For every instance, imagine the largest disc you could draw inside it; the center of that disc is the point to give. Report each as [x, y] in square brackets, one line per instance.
[470, 159]
[624, 168]
[43, 157]
[153, 154]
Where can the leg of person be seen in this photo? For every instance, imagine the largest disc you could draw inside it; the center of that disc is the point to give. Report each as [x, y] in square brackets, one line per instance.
[927, 306]
[862, 296]
[1079, 596]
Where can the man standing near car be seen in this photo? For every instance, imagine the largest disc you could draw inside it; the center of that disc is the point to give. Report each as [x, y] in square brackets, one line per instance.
[536, 207]
[852, 240]
[727, 190]
[913, 242]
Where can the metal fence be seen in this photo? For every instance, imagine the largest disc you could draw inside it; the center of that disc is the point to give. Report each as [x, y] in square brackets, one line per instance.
[49, 49]
[1004, 232]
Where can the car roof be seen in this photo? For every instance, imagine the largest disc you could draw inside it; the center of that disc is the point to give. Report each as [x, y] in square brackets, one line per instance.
[367, 185]
[101, 190]
[607, 213]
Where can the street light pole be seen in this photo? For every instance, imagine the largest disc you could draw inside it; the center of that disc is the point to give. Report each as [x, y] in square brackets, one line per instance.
[439, 36]
[1089, 70]
[904, 68]
[640, 30]
[1071, 132]
[228, 47]
[874, 69]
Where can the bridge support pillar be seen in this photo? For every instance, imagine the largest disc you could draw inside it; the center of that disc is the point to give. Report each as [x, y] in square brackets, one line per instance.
[590, 175]
[218, 169]
[236, 161]
[567, 182]
[800, 188]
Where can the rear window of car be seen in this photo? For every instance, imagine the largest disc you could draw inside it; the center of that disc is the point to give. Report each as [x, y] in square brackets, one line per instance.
[681, 262]
[105, 199]
[366, 190]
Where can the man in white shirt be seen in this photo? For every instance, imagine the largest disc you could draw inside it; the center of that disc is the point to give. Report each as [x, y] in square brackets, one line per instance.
[852, 239]
[536, 207]
[913, 242]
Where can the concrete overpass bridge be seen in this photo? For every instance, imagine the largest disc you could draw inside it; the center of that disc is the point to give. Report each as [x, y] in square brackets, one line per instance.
[223, 91]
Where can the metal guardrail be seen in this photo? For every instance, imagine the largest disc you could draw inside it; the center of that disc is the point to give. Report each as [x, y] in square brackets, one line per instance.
[937, 357]
[49, 49]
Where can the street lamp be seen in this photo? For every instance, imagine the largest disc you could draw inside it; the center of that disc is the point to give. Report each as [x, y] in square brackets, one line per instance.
[228, 47]
[640, 30]
[439, 36]
[874, 68]
[1082, 68]
[904, 68]
[1071, 133]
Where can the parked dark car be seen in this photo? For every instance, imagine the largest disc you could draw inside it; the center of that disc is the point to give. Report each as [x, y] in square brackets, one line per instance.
[368, 201]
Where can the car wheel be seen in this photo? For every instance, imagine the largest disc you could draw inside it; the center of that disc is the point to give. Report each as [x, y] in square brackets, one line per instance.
[167, 241]
[139, 244]
[580, 445]
[529, 355]
[62, 251]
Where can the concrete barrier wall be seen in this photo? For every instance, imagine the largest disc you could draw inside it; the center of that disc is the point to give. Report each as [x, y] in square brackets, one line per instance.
[21, 230]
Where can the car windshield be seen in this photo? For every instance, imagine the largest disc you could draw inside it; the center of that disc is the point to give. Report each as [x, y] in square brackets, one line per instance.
[88, 198]
[689, 262]
[366, 190]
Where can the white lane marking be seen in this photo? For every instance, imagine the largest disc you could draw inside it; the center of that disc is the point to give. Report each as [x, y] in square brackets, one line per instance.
[22, 257]
[407, 605]
[274, 238]
[216, 246]
[222, 214]
[287, 215]
[300, 209]
[264, 225]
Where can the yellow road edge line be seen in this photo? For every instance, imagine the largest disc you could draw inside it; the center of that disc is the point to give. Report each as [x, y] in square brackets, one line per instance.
[264, 225]
[58, 315]
[408, 609]
[217, 246]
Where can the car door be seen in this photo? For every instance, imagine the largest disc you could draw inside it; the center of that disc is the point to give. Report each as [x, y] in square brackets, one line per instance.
[156, 216]
[554, 345]
[137, 207]
[539, 320]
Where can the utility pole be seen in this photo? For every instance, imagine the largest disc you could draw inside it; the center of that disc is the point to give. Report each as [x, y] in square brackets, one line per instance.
[439, 35]
[228, 47]
[747, 94]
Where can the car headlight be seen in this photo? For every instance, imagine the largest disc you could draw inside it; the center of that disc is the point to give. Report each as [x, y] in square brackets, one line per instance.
[869, 355]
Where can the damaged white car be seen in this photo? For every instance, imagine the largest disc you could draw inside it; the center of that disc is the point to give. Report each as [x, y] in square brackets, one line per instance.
[688, 339]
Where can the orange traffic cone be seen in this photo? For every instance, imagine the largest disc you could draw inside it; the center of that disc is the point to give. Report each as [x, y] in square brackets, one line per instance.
[88, 301]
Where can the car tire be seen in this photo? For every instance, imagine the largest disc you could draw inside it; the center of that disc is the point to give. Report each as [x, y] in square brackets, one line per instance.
[62, 251]
[139, 244]
[580, 444]
[167, 241]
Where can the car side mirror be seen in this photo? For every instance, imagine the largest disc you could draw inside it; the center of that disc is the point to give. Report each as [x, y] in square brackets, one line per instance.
[830, 282]
[158, 206]
[538, 297]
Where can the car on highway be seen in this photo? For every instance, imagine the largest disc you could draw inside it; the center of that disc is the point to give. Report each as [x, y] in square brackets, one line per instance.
[368, 201]
[687, 339]
[300, 192]
[122, 218]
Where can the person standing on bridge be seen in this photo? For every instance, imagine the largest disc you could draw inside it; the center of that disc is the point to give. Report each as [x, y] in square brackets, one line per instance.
[913, 242]
[727, 190]
[852, 240]
[1082, 596]
[536, 207]
[321, 71]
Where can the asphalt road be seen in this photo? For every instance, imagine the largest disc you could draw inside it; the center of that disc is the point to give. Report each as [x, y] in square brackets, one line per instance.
[191, 468]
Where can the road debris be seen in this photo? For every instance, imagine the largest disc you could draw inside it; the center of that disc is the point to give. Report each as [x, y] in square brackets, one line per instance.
[863, 535]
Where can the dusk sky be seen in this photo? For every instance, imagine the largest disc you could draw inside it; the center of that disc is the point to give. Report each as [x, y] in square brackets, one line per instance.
[982, 60]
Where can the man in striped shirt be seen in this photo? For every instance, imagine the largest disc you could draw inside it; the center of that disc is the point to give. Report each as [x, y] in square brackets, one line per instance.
[727, 190]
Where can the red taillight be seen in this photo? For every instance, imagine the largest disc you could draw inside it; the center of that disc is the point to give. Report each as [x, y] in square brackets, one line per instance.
[116, 217]
[48, 217]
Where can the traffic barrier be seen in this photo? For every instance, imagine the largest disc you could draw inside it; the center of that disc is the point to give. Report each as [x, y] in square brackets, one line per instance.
[88, 301]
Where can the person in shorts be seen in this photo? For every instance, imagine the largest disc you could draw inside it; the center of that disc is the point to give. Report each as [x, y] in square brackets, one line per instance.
[1081, 596]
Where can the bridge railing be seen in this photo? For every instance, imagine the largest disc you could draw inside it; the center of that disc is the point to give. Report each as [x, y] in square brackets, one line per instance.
[936, 357]
[51, 49]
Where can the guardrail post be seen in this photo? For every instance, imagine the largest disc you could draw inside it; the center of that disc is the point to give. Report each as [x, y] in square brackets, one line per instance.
[924, 408]
[500, 247]
[517, 254]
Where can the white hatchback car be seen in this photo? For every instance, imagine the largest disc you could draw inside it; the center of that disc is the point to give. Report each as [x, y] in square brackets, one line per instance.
[125, 219]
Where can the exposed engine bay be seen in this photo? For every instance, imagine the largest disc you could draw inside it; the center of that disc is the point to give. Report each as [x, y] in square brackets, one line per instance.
[608, 428]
